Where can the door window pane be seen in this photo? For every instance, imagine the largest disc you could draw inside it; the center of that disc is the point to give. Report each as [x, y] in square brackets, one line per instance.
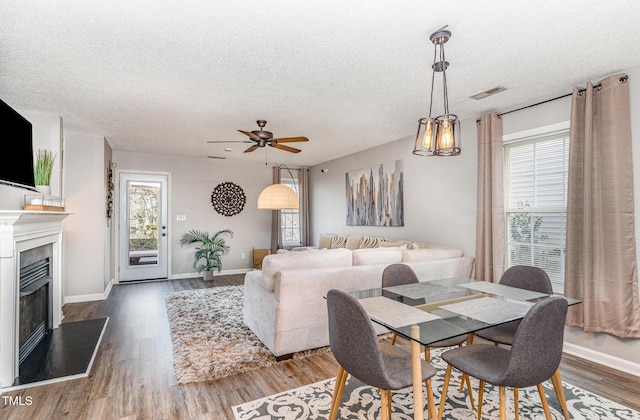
[143, 223]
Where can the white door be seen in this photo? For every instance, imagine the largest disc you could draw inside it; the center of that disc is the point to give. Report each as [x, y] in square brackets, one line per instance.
[143, 233]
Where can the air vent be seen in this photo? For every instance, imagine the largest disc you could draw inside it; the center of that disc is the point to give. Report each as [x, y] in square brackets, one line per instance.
[489, 92]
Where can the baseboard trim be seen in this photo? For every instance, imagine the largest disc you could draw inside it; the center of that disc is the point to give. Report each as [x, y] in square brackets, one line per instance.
[89, 298]
[604, 359]
[222, 273]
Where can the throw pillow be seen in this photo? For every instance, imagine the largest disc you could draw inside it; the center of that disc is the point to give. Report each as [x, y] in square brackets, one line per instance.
[371, 242]
[338, 242]
[325, 240]
[353, 241]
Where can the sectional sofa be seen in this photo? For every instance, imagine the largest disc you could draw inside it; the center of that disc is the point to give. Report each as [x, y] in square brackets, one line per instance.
[284, 303]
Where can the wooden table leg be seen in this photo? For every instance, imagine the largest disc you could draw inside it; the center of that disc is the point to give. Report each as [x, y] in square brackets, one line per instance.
[416, 368]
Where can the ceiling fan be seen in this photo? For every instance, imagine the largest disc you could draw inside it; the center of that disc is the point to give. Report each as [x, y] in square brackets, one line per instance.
[262, 138]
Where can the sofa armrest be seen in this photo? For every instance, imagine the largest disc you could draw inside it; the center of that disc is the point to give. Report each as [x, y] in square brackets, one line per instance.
[302, 292]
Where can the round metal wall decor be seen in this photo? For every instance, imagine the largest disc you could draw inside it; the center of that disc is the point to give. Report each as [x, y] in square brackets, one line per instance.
[228, 199]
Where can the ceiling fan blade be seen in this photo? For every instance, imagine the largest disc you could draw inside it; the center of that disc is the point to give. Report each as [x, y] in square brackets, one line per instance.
[291, 139]
[251, 149]
[251, 135]
[287, 148]
[231, 141]
[216, 157]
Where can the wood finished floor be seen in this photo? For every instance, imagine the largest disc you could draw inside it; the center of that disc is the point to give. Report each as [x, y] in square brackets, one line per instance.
[133, 377]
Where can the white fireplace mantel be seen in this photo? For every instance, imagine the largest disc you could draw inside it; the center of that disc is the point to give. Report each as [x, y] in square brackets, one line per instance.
[20, 231]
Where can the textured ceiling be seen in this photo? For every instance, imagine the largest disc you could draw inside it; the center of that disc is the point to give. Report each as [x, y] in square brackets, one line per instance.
[167, 76]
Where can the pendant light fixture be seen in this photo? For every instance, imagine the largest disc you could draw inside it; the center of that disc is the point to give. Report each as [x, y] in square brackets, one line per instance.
[279, 196]
[438, 136]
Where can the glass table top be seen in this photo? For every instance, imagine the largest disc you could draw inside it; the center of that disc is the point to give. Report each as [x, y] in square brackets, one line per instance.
[446, 308]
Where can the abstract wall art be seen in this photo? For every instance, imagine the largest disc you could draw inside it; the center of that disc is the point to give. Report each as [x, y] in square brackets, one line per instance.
[375, 195]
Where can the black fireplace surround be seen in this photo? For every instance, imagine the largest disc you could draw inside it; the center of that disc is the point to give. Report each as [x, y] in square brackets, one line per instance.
[35, 313]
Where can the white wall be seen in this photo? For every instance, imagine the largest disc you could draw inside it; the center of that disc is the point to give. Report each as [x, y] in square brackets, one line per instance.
[439, 194]
[84, 230]
[192, 181]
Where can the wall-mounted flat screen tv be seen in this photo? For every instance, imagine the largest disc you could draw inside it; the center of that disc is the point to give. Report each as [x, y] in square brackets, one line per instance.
[16, 149]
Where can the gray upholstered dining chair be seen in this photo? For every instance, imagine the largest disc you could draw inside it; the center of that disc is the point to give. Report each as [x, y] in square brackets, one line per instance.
[522, 277]
[533, 358]
[536, 280]
[400, 274]
[355, 346]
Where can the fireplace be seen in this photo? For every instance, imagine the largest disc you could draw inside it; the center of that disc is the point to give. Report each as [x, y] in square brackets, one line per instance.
[34, 319]
[30, 284]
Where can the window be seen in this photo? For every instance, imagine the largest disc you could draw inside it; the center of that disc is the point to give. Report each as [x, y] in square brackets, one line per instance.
[290, 219]
[535, 171]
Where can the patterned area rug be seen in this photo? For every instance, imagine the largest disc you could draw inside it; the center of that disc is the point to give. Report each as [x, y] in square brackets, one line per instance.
[210, 340]
[360, 401]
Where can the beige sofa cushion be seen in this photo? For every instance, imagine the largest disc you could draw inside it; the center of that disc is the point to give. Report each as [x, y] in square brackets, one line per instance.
[429, 254]
[274, 263]
[393, 243]
[338, 241]
[374, 256]
[371, 242]
[325, 240]
[353, 241]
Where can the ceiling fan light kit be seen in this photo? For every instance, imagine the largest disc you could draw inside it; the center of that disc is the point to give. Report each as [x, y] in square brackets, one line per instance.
[439, 136]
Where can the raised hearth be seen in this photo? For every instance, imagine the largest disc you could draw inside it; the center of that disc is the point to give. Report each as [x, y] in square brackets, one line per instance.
[21, 231]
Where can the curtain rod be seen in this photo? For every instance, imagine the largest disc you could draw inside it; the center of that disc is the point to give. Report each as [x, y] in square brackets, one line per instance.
[622, 79]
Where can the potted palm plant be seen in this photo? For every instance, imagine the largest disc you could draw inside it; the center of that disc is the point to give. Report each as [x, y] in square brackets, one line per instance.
[42, 170]
[209, 249]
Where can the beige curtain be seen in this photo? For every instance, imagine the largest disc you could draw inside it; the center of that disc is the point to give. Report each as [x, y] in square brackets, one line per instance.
[276, 239]
[303, 187]
[601, 267]
[490, 218]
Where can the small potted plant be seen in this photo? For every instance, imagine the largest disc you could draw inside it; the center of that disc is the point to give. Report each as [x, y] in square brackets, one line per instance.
[42, 170]
[209, 249]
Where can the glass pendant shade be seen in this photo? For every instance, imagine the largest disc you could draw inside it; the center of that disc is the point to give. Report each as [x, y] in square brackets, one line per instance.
[278, 197]
[447, 136]
[438, 136]
[424, 144]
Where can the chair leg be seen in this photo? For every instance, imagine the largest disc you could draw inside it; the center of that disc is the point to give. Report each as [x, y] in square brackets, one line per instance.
[393, 339]
[557, 385]
[427, 354]
[445, 387]
[465, 379]
[545, 406]
[516, 403]
[384, 404]
[338, 390]
[480, 396]
[503, 403]
[390, 405]
[431, 405]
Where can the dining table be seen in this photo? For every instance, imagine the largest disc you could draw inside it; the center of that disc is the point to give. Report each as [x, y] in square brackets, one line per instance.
[430, 311]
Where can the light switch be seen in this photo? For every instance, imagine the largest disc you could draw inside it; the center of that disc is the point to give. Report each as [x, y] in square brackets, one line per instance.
[181, 217]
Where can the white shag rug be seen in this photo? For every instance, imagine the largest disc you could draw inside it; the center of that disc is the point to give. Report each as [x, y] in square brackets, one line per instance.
[210, 340]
